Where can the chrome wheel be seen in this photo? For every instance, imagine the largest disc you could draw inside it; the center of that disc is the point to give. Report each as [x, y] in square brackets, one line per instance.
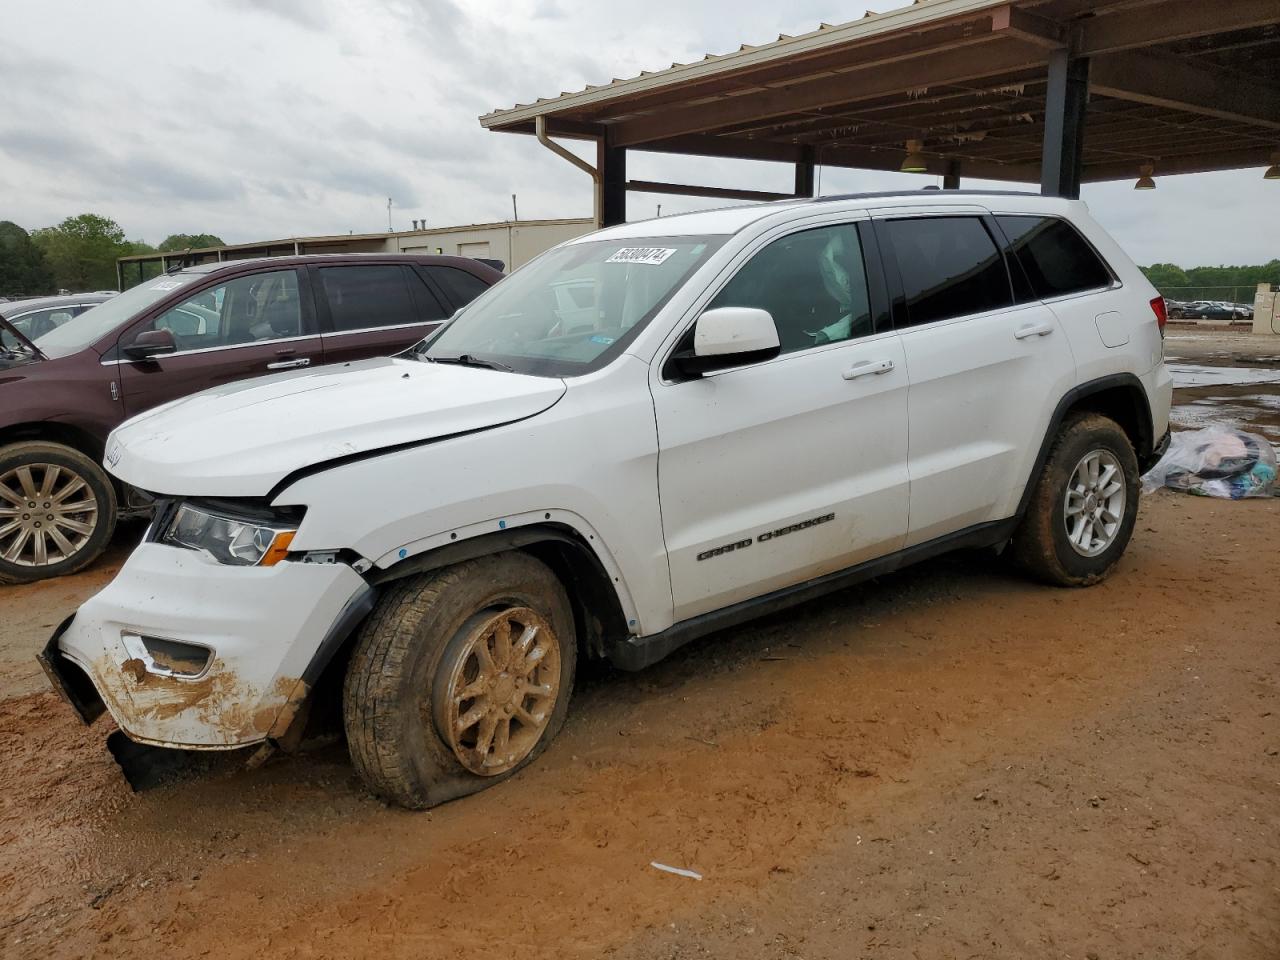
[502, 690]
[47, 514]
[1095, 503]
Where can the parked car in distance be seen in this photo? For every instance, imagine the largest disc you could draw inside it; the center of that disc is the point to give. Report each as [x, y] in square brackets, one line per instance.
[647, 434]
[1211, 310]
[73, 368]
[32, 318]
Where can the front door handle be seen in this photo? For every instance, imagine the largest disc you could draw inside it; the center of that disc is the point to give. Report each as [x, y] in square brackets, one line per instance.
[1033, 330]
[289, 364]
[868, 368]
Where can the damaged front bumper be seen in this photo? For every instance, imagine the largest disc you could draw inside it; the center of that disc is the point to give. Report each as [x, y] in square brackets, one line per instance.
[189, 653]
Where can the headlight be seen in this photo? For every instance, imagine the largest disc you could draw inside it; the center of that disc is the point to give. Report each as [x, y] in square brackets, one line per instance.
[231, 540]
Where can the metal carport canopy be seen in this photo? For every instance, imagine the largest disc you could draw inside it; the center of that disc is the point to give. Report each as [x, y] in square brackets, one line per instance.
[1051, 91]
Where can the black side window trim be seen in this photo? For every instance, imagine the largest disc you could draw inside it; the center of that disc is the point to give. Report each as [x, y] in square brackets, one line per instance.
[897, 295]
[877, 284]
[424, 296]
[437, 291]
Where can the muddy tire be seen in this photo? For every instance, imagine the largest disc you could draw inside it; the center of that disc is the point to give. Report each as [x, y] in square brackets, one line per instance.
[1084, 505]
[460, 677]
[57, 511]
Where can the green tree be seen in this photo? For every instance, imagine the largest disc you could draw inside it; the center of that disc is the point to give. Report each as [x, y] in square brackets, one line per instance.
[193, 241]
[82, 251]
[23, 269]
[1164, 275]
[1212, 283]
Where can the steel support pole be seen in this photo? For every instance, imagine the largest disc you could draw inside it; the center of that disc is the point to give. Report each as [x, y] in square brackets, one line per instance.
[804, 173]
[951, 179]
[611, 161]
[1066, 105]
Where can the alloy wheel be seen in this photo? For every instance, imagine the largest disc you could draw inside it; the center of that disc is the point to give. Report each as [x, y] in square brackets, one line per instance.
[502, 690]
[1094, 504]
[48, 513]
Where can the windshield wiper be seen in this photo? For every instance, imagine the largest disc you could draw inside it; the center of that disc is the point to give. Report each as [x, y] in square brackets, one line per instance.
[470, 360]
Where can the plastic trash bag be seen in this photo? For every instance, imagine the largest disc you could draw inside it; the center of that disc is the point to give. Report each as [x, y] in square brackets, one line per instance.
[1216, 462]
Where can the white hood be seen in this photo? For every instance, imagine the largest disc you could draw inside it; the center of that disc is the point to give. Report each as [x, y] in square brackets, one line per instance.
[242, 439]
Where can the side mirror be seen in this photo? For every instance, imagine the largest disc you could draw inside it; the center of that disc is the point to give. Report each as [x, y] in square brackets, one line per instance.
[150, 344]
[729, 337]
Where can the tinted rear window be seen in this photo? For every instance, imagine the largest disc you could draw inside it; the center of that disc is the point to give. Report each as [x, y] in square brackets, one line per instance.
[1054, 258]
[367, 296]
[950, 267]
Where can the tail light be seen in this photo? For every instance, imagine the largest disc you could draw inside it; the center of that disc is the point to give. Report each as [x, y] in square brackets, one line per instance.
[1161, 311]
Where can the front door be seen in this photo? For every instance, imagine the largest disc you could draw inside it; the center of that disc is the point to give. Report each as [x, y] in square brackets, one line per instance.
[782, 471]
[244, 327]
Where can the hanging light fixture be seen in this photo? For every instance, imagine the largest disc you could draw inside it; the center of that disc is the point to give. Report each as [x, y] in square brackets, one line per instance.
[1273, 172]
[915, 161]
[1146, 181]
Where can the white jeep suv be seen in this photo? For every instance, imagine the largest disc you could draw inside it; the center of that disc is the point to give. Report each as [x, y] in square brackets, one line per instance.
[737, 410]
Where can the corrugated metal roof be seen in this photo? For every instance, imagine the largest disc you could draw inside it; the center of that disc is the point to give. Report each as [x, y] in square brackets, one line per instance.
[826, 35]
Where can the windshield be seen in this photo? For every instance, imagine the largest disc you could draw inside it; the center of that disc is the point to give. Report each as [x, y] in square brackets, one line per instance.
[96, 322]
[572, 310]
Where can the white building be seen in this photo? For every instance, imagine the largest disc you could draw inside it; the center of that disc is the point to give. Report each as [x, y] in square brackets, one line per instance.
[514, 242]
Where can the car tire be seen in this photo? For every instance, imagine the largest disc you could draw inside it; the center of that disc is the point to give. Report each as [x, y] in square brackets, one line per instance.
[39, 537]
[1084, 505]
[418, 675]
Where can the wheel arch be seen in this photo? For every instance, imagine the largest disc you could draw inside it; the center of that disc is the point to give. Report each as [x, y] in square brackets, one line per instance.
[52, 431]
[1119, 396]
[597, 607]
[598, 612]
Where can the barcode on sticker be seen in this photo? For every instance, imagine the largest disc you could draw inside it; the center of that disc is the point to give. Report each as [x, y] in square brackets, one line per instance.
[652, 255]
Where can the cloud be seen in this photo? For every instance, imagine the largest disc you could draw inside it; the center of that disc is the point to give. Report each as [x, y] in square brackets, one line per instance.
[257, 119]
[310, 14]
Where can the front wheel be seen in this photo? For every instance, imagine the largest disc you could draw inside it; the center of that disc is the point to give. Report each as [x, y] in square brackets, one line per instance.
[459, 678]
[1084, 506]
[57, 511]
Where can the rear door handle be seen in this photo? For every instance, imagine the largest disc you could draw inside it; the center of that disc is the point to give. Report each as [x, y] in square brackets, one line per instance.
[868, 368]
[289, 364]
[1034, 330]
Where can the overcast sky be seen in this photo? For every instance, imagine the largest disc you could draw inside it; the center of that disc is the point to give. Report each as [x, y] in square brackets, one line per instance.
[258, 120]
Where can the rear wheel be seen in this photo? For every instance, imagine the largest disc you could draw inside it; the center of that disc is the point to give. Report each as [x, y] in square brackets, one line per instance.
[460, 677]
[1084, 506]
[57, 511]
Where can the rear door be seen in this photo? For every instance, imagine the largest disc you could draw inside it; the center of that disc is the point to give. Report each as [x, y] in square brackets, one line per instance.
[985, 372]
[373, 309]
[247, 326]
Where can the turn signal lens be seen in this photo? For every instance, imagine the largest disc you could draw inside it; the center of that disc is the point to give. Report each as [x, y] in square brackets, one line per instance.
[278, 550]
[1161, 311]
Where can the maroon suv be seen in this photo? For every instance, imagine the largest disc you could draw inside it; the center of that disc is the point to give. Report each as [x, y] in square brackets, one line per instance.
[63, 391]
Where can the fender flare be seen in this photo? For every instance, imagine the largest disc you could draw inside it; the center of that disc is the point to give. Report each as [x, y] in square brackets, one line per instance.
[1144, 447]
[591, 576]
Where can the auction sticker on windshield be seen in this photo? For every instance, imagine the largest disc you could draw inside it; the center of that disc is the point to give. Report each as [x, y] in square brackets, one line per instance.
[172, 283]
[651, 255]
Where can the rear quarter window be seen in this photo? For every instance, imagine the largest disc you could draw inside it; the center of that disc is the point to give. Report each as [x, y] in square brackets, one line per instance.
[1054, 259]
[459, 286]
